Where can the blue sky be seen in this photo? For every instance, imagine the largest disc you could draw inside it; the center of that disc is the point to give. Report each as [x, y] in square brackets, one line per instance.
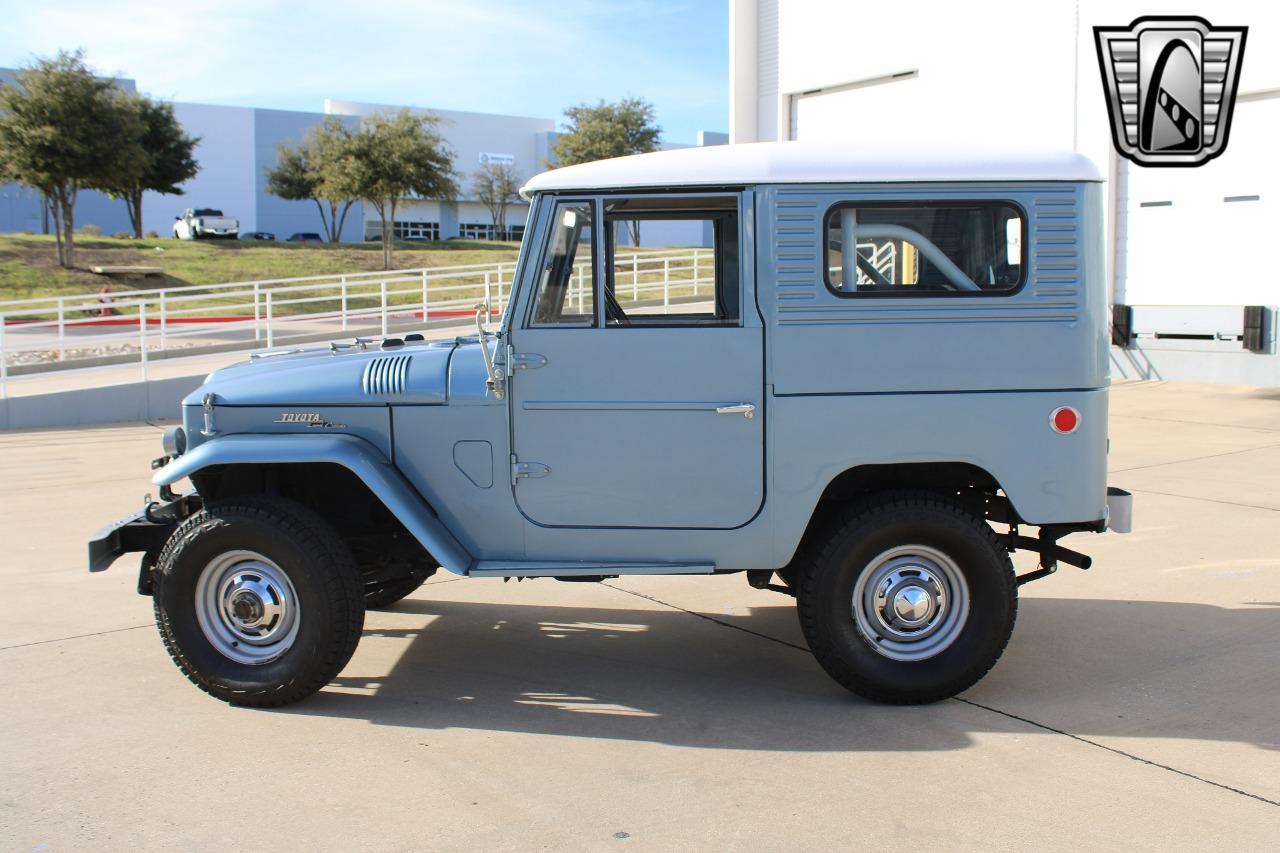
[522, 58]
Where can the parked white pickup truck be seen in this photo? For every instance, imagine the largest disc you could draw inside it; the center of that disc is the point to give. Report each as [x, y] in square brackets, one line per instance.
[204, 222]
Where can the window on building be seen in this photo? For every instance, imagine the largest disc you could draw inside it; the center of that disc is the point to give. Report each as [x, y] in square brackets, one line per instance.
[417, 230]
[475, 231]
[566, 283]
[692, 280]
[969, 248]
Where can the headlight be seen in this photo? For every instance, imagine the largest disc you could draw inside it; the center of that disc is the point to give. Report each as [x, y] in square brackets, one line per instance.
[174, 441]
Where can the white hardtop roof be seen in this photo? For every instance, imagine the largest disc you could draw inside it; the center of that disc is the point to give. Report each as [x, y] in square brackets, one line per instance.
[816, 162]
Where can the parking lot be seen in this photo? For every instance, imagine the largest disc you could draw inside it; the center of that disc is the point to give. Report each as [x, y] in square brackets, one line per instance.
[1138, 704]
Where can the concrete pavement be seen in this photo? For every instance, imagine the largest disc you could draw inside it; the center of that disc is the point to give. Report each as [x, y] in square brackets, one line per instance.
[1138, 705]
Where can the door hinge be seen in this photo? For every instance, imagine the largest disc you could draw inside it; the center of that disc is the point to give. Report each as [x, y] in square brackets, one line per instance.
[526, 360]
[527, 469]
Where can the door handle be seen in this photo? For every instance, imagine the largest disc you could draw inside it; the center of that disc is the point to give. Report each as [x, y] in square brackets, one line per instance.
[745, 409]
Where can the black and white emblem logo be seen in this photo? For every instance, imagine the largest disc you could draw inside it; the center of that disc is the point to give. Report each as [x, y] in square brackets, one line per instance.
[1170, 84]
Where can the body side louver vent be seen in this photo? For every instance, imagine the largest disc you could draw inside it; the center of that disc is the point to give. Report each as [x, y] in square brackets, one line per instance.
[386, 376]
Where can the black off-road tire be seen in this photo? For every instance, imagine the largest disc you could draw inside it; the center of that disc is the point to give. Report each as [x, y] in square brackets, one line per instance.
[323, 574]
[827, 583]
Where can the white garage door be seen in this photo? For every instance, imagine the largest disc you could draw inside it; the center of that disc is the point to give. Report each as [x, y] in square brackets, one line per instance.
[1208, 235]
[843, 114]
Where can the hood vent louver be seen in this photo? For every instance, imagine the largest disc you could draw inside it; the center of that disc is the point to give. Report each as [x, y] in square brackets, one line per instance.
[386, 376]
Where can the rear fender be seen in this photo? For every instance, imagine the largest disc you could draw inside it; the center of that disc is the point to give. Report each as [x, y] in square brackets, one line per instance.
[354, 454]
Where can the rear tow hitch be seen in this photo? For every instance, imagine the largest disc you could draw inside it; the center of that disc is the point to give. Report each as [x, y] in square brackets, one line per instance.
[1051, 553]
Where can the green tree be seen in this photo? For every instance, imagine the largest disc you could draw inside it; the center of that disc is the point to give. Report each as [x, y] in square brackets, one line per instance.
[314, 170]
[167, 159]
[496, 186]
[393, 157]
[607, 130]
[62, 129]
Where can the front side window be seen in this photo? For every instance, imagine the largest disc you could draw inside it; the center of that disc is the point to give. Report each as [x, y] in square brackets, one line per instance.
[965, 249]
[566, 282]
[671, 261]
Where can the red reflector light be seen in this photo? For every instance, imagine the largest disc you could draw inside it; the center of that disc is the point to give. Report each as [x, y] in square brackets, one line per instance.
[1064, 420]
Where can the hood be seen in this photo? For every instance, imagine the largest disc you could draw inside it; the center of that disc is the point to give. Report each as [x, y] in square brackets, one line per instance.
[337, 375]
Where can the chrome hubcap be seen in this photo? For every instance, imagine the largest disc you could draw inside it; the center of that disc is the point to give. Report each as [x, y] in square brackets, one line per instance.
[247, 607]
[911, 602]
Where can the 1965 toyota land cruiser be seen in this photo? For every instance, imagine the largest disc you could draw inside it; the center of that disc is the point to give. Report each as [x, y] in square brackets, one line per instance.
[894, 361]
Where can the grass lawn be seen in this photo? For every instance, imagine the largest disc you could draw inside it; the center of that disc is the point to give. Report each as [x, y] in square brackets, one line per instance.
[28, 265]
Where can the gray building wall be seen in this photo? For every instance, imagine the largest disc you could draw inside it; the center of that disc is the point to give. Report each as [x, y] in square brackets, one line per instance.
[237, 147]
[277, 215]
[527, 140]
[472, 134]
[225, 180]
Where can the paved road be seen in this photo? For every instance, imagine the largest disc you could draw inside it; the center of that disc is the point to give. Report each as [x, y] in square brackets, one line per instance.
[1138, 705]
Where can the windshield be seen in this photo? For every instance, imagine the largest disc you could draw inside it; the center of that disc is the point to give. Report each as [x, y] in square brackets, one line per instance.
[207, 211]
[506, 296]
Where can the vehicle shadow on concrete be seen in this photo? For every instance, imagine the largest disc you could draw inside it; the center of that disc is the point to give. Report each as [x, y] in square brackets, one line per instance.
[1095, 668]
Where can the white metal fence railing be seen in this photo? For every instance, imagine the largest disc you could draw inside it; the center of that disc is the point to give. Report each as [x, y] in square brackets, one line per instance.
[67, 331]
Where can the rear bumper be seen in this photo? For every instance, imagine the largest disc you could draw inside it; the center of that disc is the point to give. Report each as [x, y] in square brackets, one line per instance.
[1119, 517]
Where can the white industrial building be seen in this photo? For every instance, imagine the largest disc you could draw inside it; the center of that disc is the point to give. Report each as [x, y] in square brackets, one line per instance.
[238, 145]
[1188, 248]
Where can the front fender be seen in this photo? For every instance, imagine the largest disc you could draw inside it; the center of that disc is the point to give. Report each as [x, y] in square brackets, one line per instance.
[354, 454]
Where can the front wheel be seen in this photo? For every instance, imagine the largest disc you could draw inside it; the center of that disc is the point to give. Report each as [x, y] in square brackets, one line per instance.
[258, 601]
[911, 599]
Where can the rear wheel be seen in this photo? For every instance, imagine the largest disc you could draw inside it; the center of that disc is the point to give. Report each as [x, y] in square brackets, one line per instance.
[258, 601]
[912, 599]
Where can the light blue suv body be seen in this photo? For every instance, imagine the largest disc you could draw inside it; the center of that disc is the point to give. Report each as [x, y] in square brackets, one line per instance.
[966, 357]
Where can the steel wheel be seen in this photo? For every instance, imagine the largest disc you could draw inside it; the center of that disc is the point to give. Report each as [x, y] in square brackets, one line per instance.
[911, 602]
[910, 598]
[247, 607]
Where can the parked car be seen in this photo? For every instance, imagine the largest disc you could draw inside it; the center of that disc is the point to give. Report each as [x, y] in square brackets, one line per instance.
[258, 235]
[305, 237]
[204, 222]
[897, 363]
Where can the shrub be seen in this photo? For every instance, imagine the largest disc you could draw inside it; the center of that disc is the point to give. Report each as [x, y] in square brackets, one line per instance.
[151, 235]
[122, 235]
[90, 230]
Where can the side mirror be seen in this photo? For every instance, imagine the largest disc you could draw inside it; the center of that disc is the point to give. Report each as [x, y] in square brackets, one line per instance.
[177, 219]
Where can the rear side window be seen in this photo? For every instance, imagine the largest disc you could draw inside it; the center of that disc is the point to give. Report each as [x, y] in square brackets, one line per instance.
[930, 249]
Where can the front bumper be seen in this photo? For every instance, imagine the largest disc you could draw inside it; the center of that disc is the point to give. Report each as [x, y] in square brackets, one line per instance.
[146, 530]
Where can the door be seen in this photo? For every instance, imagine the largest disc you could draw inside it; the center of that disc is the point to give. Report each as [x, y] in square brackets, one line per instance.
[637, 385]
